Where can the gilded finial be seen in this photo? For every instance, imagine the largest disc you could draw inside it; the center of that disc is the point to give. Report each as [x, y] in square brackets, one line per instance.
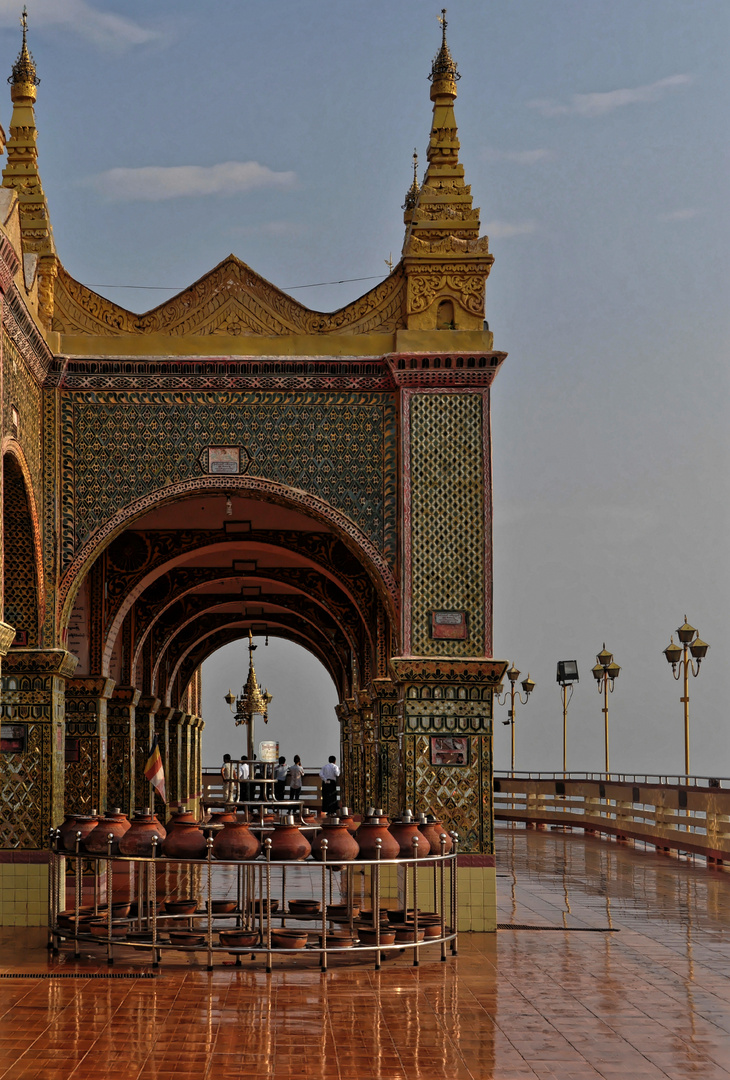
[443, 70]
[24, 78]
[412, 193]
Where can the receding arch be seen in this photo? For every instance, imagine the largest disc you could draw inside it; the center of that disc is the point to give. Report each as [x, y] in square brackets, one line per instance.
[372, 560]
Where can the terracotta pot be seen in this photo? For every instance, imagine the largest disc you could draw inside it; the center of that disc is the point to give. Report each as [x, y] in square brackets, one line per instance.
[137, 840]
[161, 830]
[185, 841]
[346, 818]
[235, 841]
[288, 939]
[74, 823]
[373, 830]
[368, 935]
[115, 823]
[181, 814]
[404, 832]
[433, 831]
[304, 907]
[239, 939]
[187, 905]
[407, 932]
[341, 844]
[222, 907]
[221, 817]
[287, 842]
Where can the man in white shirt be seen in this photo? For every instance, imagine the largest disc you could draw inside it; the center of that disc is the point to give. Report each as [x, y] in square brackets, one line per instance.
[329, 774]
[243, 775]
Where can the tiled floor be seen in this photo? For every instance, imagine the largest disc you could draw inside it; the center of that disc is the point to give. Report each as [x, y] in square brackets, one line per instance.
[649, 1000]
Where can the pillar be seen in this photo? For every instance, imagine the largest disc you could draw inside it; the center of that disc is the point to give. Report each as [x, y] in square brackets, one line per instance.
[31, 777]
[86, 743]
[144, 730]
[390, 793]
[185, 744]
[346, 792]
[121, 762]
[447, 754]
[174, 786]
[369, 742]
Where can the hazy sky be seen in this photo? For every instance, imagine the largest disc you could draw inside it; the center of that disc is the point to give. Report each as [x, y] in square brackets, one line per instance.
[594, 136]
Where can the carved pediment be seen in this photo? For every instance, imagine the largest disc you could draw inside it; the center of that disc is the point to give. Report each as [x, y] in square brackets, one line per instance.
[230, 299]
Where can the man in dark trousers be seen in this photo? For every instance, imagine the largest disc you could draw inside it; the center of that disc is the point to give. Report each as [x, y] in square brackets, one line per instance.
[329, 774]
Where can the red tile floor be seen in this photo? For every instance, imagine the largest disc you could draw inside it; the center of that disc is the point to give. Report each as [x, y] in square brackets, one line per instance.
[646, 1001]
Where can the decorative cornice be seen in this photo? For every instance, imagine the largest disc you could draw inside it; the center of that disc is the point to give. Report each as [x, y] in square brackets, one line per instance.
[442, 669]
[444, 371]
[40, 662]
[229, 300]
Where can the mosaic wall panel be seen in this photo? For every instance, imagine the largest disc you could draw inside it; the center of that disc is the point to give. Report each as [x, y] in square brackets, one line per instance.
[20, 390]
[447, 518]
[121, 750]
[86, 742]
[118, 447]
[21, 587]
[448, 710]
[460, 795]
[24, 796]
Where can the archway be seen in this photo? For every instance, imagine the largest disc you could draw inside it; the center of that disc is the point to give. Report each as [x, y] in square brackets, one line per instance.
[22, 564]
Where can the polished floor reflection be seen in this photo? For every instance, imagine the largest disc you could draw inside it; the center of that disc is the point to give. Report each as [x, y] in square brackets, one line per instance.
[628, 978]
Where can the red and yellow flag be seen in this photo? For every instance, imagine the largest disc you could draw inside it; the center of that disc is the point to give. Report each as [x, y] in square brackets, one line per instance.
[154, 771]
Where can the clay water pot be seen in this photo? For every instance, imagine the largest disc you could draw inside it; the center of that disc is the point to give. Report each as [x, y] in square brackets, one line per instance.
[185, 841]
[181, 814]
[187, 905]
[115, 823]
[288, 939]
[346, 818]
[161, 830]
[235, 841]
[75, 823]
[433, 829]
[220, 817]
[341, 844]
[368, 935]
[239, 939]
[404, 832]
[288, 843]
[137, 840]
[373, 830]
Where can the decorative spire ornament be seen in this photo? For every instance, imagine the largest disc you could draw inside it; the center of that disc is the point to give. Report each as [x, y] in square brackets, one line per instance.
[253, 701]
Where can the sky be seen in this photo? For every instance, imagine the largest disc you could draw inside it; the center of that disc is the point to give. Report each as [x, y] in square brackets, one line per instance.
[594, 136]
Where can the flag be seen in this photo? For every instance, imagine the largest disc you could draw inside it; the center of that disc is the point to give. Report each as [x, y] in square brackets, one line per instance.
[154, 771]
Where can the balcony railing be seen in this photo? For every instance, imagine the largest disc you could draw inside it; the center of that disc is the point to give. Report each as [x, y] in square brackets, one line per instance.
[671, 812]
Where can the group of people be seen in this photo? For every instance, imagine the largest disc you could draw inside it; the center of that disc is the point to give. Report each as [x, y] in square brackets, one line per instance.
[240, 781]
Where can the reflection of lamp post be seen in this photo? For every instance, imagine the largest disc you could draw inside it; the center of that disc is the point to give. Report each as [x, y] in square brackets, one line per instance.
[528, 685]
[252, 700]
[678, 658]
[567, 675]
[605, 673]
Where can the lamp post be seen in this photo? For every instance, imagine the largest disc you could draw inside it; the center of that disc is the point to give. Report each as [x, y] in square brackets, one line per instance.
[605, 673]
[682, 665]
[566, 676]
[528, 685]
[252, 700]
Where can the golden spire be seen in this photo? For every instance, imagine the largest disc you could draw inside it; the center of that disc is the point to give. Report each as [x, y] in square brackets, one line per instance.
[21, 173]
[412, 193]
[443, 70]
[442, 225]
[24, 79]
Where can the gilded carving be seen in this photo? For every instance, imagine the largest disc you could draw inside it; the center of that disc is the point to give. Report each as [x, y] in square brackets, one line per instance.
[230, 299]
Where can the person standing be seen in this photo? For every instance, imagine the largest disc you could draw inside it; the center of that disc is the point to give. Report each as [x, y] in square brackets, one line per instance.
[280, 775]
[243, 786]
[230, 780]
[296, 775]
[329, 774]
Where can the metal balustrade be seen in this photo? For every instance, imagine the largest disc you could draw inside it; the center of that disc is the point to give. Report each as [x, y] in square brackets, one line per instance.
[671, 812]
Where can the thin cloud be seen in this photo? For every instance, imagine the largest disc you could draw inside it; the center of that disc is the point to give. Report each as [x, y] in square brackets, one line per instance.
[598, 104]
[105, 29]
[519, 157]
[152, 183]
[500, 230]
[679, 215]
